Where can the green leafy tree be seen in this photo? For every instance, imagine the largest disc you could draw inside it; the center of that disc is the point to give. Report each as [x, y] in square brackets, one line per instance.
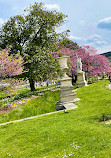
[34, 35]
[67, 43]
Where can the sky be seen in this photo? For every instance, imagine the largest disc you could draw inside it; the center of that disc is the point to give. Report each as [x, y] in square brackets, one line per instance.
[89, 21]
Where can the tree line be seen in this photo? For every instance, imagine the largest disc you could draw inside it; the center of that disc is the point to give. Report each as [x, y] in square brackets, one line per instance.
[34, 37]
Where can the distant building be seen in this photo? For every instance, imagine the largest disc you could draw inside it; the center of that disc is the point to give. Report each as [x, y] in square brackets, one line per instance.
[107, 55]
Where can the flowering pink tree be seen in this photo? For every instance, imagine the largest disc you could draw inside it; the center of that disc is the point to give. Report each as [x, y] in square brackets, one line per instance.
[92, 63]
[10, 66]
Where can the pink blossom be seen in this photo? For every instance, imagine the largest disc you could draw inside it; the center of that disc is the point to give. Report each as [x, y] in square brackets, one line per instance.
[92, 63]
[10, 65]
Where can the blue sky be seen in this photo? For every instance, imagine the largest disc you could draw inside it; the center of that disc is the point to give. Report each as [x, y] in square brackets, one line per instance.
[89, 21]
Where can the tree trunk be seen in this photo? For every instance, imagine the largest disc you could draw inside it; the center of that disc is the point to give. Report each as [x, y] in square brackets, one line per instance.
[32, 84]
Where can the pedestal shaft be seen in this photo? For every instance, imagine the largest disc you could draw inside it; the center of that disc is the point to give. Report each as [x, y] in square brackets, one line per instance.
[67, 95]
[81, 79]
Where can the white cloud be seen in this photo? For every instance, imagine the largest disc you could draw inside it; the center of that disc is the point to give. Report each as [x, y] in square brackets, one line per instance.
[94, 37]
[52, 6]
[94, 40]
[106, 20]
[103, 49]
[88, 39]
[76, 38]
[96, 43]
[105, 23]
[100, 42]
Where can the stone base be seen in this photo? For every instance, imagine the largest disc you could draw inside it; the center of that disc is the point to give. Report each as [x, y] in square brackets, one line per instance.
[67, 99]
[59, 106]
[81, 84]
[65, 105]
[76, 99]
[67, 94]
[81, 79]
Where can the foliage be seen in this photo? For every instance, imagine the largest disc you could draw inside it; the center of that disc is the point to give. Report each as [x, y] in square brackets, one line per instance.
[10, 66]
[25, 92]
[92, 63]
[67, 43]
[34, 34]
[73, 134]
[41, 67]
[32, 106]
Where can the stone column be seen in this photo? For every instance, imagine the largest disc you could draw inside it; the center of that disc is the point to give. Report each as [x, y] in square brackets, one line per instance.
[67, 94]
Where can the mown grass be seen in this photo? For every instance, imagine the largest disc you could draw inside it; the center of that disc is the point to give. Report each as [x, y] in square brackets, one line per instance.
[76, 134]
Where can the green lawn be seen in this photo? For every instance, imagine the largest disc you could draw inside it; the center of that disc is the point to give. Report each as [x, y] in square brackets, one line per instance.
[76, 134]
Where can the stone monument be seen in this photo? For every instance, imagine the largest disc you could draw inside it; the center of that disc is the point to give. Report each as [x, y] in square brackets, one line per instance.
[80, 74]
[67, 94]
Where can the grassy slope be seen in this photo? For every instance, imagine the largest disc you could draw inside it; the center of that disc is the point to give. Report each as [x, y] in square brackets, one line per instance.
[76, 134]
[36, 106]
[25, 92]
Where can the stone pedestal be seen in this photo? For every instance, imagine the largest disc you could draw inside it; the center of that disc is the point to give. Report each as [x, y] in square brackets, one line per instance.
[81, 79]
[67, 94]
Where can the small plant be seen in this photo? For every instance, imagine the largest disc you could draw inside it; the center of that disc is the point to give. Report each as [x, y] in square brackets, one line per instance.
[105, 117]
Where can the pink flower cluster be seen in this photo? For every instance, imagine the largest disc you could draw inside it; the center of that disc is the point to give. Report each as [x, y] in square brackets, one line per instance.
[10, 65]
[92, 63]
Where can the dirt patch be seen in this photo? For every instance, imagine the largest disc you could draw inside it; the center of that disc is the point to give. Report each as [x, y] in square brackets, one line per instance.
[4, 110]
[7, 108]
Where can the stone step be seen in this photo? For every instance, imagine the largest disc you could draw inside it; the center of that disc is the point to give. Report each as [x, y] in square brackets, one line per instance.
[65, 105]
